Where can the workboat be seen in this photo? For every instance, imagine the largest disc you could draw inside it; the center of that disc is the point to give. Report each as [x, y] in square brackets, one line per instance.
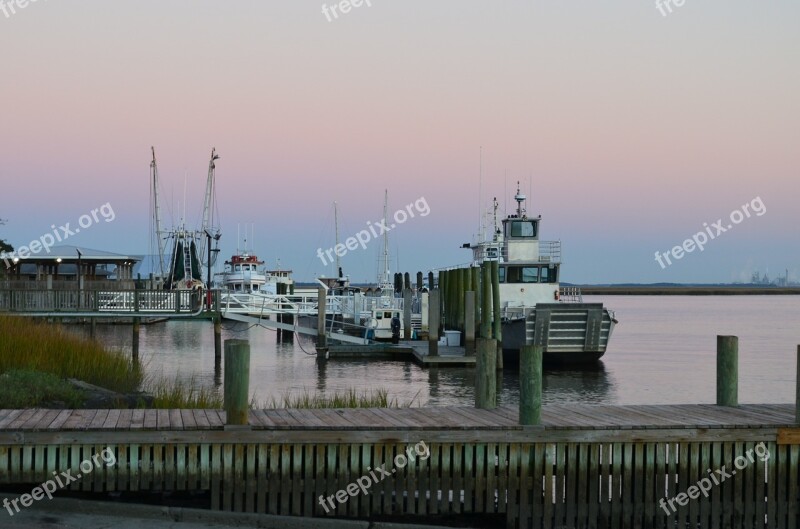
[535, 308]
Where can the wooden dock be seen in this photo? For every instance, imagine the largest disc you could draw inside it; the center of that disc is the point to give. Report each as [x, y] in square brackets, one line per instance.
[406, 351]
[586, 466]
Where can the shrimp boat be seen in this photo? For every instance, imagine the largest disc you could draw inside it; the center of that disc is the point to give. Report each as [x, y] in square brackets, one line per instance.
[535, 309]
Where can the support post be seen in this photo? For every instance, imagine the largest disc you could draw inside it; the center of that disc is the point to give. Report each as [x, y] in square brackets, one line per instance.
[92, 328]
[135, 340]
[407, 313]
[797, 391]
[485, 375]
[727, 371]
[237, 381]
[322, 339]
[433, 322]
[217, 340]
[497, 326]
[475, 286]
[530, 385]
[469, 323]
[486, 301]
[462, 289]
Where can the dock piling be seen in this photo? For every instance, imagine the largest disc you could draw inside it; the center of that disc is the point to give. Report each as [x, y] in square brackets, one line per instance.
[485, 375]
[530, 385]
[797, 390]
[407, 313]
[433, 322]
[217, 339]
[727, 371]
[322, 339]
[237, 381]
[135, 340]
[497, 324]
[486, 301]
[469, 323]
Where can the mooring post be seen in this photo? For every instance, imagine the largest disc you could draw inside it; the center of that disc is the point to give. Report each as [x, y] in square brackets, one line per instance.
[530, 385]
[797, 390]
[485, 375]
[463, 286]
[486, 301]
[475, 286]
[433, 322]
[217, 339]
[237, 381]
[497, 330]
[407, 300]
[322, 339]
[469, 323]
[92, 327]
[135, 340]
[727, 371]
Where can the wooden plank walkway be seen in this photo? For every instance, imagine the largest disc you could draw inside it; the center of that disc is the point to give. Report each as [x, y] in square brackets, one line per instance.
[586, 466]
[554, 417]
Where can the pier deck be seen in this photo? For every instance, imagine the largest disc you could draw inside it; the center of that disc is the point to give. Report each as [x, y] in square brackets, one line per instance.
[603, 466]
[406, 351]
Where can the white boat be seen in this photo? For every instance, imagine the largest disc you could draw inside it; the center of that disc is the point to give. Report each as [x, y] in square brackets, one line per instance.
[244, 274]
[535, 308]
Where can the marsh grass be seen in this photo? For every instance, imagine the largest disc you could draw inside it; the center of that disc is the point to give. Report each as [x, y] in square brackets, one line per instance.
[349, 398]
[182, 394]
[26, 344]
[22, 388]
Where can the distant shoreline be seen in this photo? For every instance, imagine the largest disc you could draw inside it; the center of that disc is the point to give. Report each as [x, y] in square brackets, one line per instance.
[688, 290]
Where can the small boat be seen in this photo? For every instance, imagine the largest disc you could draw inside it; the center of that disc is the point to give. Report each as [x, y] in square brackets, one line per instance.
[244, 274]
[535, 309]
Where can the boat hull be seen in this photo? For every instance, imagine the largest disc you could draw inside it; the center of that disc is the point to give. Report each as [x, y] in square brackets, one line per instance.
[569, 333]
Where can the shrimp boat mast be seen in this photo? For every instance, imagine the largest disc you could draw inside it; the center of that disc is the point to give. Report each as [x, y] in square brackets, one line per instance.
[535, 309]
[190, 249]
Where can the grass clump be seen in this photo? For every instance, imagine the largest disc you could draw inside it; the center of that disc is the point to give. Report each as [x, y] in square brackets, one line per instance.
[178, 394]
[350, 398]
[22, 388]
[30, 345]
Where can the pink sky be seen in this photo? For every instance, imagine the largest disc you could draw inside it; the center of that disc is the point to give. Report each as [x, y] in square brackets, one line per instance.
[635, 128]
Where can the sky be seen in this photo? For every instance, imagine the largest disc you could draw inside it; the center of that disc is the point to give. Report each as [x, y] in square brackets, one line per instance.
[628, 128]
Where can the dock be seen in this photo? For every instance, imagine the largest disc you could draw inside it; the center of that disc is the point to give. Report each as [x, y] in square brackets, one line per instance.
[406, 351]
[584, 466]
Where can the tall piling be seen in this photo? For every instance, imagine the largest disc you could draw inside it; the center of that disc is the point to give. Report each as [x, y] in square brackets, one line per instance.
[135, 340]
[217, 339]
[497, 325]
[322, 339]
[797, 390]
[475, 286]
[407, 300]
[486, 301]
[485, 374]
[530, 385]
[433, 322]
[462, 288]
[727, 371]
[469, 324]
[237, 381]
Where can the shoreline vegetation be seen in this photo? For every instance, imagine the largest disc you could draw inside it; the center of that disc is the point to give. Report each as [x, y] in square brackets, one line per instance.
[44, 365]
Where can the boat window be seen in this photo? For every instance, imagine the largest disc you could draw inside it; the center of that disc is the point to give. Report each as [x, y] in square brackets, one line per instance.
[502, 273]
[521, 228]
[255, 287]
[378, 315]
[523, 274]
[545, 275]
[387, 315]
[238, 268]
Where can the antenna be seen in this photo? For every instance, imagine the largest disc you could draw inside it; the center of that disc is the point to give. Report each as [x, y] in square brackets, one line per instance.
[336, 224]
[480, 192]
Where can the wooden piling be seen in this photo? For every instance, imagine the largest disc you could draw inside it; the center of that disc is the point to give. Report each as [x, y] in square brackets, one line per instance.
[486, 301]
[237, 381]
[407, 297]
[322, 339]
[462, 288]
[485, 375]
[92, 328]
[727, 371]
[797, 390]
[469, 323]
[135, 340]
[433, 322]
[530, 385]
[406, 281]
[217, 338]
[475, 286]
[431, 283]
[419, 282]
[497, 325]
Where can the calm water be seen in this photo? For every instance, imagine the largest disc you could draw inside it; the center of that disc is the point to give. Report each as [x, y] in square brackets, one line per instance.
[663, 351]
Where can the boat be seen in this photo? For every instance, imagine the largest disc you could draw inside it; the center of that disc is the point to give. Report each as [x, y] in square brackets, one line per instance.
[535, 308]
[244, 274]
